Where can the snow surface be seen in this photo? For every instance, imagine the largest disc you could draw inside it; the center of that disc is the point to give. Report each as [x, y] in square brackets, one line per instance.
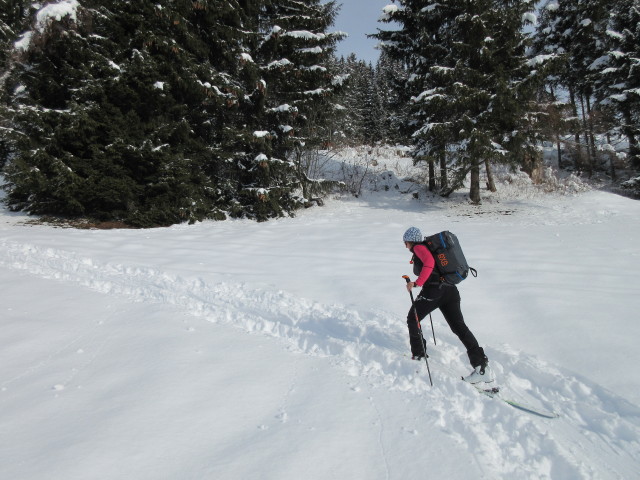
[277, 350]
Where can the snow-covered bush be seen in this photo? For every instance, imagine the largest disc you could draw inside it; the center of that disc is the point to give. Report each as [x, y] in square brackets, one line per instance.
[632, 187]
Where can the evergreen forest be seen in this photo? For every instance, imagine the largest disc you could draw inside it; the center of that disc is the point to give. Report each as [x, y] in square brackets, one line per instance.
[156, 113]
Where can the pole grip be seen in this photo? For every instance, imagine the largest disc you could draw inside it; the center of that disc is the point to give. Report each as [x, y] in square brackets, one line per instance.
[406, 277]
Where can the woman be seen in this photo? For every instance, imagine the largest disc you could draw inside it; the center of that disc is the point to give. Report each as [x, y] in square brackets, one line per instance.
[436, 293]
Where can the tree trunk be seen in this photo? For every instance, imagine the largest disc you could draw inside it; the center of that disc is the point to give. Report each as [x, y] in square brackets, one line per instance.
[444, 183]
[474, 191]
[586, 137]
[592, 139]
[556, 132]
[559, 153]
[432, 176]
[298, 168]
[491, 184]
[634, 150]
[612, 159]
[574, 107]
[532, 165]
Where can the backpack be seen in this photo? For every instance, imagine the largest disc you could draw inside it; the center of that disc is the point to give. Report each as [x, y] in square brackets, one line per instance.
[450, 261]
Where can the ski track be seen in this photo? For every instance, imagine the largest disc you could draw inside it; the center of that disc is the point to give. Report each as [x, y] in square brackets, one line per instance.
[595, 426]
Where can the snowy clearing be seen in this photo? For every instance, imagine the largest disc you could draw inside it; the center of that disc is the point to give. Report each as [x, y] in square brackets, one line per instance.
[234, 349]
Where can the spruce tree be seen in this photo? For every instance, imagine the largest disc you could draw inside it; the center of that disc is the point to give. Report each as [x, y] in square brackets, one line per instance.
[573, 32]
[400, 54]
[390, 78]
[356, 99]
[345, 129]
[295, 56]
[132, 111]
[13, 14]
[616, 73]
[472, 85]
[12, 19]
[177, 111]
[373, 108]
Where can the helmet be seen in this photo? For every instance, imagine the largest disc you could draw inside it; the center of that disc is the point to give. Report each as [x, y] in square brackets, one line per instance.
[413, 235]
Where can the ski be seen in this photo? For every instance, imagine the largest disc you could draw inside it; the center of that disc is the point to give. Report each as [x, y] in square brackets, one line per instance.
[494, 392]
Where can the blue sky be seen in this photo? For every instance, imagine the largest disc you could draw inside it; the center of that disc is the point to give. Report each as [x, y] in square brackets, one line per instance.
[357, 18]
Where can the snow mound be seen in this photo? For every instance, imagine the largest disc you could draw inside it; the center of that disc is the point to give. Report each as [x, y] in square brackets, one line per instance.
[596, 429]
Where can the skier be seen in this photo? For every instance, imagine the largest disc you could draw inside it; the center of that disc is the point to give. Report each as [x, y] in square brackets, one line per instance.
[437, 294]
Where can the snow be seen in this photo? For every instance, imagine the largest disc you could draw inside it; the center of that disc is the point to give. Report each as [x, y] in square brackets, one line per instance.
[282, 63]
[313, 50]
[304, 34]
[388, 12]
[430, 8]
[539, 59]
[316, 92]
[56, 11]
[24, 41]
[427, 96]
[598, 63]
[615, 35]
[245, 57]
[277, 350]
[315, 68]
[552, 6]
[338, 80]
[619, 98]
[283, 108]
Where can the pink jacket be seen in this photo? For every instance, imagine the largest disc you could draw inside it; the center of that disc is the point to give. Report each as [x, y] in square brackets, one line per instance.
[428, 263]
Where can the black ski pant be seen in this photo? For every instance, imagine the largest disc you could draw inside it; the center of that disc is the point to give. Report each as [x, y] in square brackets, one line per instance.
[447, 299]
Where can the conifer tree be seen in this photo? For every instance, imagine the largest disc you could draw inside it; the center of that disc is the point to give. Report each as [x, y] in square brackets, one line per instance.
[160, 113]
[373, 108]
[357, 100]
[470, 80]
[401, 53]
[418, 44]
[295, 56]
[123, 115]
[572, 31]
[342, 98]
[616, 73]
[390, 78]
[12, 18]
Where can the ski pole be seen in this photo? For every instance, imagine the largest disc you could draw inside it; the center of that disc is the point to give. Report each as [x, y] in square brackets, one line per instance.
[424, 347]
[433, 332]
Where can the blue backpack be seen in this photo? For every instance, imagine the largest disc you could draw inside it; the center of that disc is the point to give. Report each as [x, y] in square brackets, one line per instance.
[450, 261]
